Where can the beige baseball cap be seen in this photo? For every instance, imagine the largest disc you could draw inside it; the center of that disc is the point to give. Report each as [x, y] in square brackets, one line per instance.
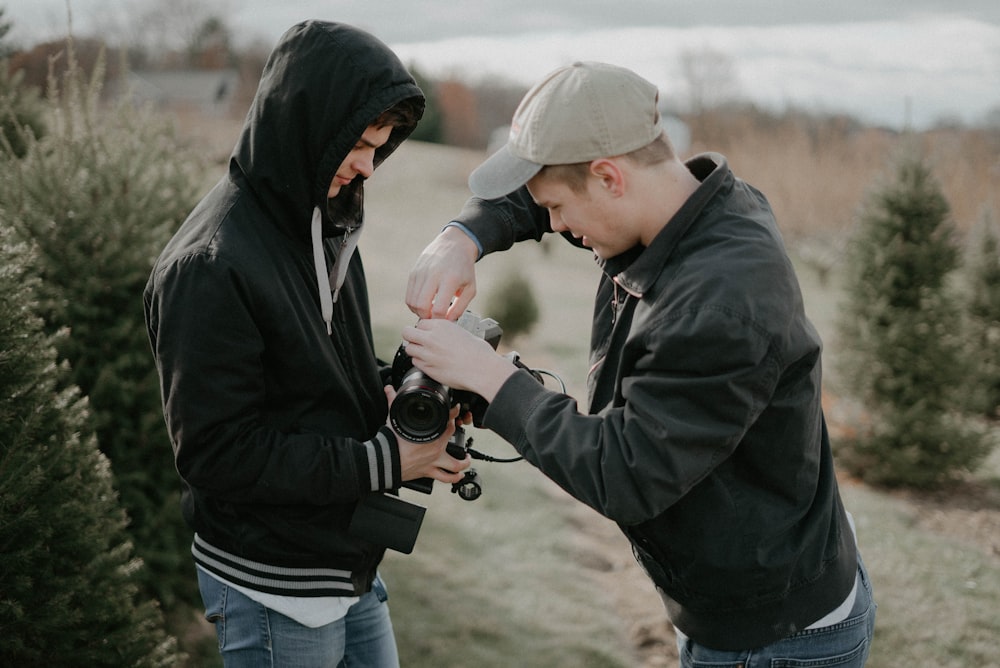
[581, 112]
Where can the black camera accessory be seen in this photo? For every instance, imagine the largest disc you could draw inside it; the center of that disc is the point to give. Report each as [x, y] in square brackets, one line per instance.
[422, 406]
[387, 520]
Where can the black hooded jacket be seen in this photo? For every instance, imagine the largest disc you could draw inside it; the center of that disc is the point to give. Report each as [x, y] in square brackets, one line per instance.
[278, 427]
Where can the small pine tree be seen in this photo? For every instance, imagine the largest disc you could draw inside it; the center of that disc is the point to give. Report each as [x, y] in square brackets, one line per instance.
[68, 578]
[984, 321]
[20, 109]
[429, 128]
[5, 26]
[901, 338]
[20, 113]
[513, 305]
[99, 196]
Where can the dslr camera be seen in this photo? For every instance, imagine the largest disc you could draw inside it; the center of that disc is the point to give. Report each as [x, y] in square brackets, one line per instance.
[422, 406]
[420, 413]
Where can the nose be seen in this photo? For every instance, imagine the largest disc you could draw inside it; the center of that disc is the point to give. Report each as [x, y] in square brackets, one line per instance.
[556, 222]
[364, 165]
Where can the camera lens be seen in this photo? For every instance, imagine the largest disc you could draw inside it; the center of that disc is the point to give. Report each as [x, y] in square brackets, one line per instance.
[421, 409]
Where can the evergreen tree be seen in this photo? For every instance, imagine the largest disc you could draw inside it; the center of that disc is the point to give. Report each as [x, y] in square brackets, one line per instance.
[20, 108]
[67, 571]
[513, 305]
[5, 26]
[901, 337]
[984, 321]
[431, 126]
[99, 196]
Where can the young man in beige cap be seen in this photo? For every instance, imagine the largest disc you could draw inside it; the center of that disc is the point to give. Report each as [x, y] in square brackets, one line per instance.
[704, 437]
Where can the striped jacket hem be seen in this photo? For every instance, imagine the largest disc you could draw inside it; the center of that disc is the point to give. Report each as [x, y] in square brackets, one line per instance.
[271, 579]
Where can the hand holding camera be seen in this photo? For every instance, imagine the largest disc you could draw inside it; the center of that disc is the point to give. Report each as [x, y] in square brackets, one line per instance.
[452, 365]
[442, 363]
[424, 412]
[435, 458]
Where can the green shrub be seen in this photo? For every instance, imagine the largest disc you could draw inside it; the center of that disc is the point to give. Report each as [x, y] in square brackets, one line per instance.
[430, 127]
[512, 304]
[68, 577]
[98, 196]
[20, 110]
[902, 338]
[20, 113]
[984, 321]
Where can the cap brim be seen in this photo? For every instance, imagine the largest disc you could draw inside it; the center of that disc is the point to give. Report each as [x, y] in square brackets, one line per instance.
[501, 174]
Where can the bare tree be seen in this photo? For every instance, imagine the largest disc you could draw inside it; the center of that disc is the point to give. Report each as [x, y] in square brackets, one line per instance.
[173, 26]
[711, 79]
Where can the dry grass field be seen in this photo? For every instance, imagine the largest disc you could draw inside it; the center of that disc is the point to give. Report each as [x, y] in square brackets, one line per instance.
[527, 577]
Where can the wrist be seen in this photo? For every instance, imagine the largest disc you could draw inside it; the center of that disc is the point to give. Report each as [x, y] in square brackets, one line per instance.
[463, 236]
[380, 461]
[494, 375]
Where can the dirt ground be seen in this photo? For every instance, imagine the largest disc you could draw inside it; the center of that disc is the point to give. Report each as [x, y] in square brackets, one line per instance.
[606, 554]
[969, 512]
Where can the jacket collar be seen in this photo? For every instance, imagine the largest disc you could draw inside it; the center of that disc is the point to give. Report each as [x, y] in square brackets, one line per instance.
[636, 270]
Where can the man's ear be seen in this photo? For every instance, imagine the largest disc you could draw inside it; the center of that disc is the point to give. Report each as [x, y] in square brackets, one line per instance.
[609, 175]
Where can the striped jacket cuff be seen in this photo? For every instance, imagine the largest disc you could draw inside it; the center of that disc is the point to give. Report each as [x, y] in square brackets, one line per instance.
[380, 466]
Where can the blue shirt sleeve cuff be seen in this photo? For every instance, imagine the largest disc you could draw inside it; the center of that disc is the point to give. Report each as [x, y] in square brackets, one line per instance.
[468, 232]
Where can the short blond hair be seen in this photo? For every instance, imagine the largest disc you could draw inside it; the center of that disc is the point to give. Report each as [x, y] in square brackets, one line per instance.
[575, 175]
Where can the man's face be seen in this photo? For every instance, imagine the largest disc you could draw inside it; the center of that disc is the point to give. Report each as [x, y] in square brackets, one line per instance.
[361, 159]
[587, 215]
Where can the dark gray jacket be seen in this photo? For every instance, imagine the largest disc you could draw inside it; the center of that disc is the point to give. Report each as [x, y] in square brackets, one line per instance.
[278, 427]
[705, 438]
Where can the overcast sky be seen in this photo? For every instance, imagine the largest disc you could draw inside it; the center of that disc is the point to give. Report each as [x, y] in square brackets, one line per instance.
[885, 61]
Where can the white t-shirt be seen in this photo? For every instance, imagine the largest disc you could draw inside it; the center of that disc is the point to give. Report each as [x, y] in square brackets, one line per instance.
[311, 611]
[840, 613]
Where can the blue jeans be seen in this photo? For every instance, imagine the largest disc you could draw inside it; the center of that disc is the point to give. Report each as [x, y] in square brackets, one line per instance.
[842, 645]
[253, 636]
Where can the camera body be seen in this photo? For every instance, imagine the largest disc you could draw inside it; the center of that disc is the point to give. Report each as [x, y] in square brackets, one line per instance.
[422, 406]
[420, 413]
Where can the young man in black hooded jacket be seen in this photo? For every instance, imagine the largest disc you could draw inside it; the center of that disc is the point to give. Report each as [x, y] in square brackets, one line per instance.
[257, 312]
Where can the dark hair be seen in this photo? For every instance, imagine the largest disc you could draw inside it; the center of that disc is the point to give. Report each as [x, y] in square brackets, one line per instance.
[575, 175]
[404, 114]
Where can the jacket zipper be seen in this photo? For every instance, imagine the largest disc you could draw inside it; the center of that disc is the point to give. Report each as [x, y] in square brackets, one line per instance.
[615, 306]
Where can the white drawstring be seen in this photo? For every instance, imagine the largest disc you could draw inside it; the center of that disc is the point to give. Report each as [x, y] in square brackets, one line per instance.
[322, 277]
[338, 274]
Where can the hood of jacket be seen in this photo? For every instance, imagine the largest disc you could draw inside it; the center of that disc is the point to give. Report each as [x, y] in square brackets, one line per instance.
[322, 86]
